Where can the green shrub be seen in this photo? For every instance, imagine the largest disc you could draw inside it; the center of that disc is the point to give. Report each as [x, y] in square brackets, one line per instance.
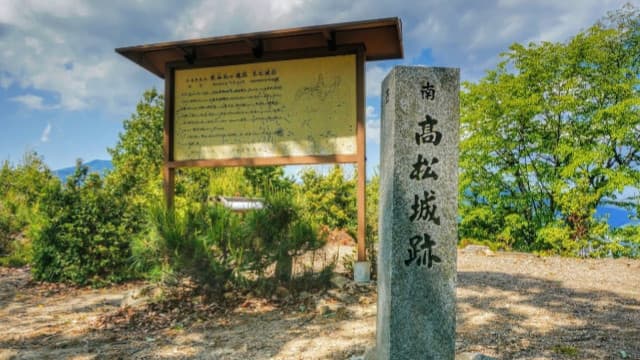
[201, 242]
[6, 228]
[478, 224]
[267, 179]
[372, 238]
[14, 221]
[556, 239]
[20, 254]
[216, 247]
[81, 235]
[221, 243]
[623, 242]
[277, 233]
[329, 200]
[20, 191]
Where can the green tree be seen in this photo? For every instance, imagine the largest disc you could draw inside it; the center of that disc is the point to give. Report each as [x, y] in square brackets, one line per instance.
[268, 179]
[20, 192]
[137, 157]
[277, 233]
[330, 200]
[550, 134]
[82, 234]
[372, 213]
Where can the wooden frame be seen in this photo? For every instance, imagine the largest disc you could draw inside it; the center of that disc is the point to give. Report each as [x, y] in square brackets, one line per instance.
[359, 158]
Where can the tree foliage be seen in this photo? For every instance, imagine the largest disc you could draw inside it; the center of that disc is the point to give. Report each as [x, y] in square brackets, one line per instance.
[331, 199]
[20, 192]
[83, 234]
[549, 135]
[267, 179]
[277, 233]
[137, 156]
[195, 237]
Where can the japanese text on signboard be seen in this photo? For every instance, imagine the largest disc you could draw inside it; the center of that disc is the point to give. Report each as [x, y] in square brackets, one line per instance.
[270, 109]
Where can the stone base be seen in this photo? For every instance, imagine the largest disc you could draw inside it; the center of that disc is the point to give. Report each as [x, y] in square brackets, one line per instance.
[370, 354]
[362, 272]
[473, 356]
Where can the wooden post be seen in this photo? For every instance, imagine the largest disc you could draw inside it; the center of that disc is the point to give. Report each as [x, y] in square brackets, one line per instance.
[169, 184]
[168, 172]
[361, 192]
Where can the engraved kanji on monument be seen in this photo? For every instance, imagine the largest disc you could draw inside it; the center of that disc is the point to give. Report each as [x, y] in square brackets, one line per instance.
[418, 213]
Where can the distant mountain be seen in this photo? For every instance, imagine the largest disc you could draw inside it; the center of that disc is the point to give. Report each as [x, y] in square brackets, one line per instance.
[99, 166]
[616, 217]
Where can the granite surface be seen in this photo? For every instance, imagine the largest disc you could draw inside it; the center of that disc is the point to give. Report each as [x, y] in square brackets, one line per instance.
[418, 210]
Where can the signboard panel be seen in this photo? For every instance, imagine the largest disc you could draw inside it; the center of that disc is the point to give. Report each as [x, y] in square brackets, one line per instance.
[289, 108]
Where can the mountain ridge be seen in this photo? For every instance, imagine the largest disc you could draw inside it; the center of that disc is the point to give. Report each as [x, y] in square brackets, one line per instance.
[616, 217]
[96, 165]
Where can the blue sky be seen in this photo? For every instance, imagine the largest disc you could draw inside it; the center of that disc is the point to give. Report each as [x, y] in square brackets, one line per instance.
[64, 92]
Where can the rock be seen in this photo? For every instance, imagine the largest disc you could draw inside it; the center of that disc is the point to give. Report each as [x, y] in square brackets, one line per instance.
[366, 287]
[141, 296]
[282, 292]
[341, 296]
[370, 354]
[322, 309]
[339, 281]
[478, 250]
[132, 299]
[473, 356]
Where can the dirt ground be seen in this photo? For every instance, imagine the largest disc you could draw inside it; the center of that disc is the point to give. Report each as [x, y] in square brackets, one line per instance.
[510, 306]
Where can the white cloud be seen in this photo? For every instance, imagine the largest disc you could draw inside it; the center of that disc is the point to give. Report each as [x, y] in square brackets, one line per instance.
[31, 101]
[40, 36]
[375, 74]
[470, 35]
[373, 131]
[371, 112]
[45, 133]
[215, 18]
[34, 44]
[5, 81]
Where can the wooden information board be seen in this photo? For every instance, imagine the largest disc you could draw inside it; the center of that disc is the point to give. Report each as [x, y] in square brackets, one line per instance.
[284, 97]
[288, 108]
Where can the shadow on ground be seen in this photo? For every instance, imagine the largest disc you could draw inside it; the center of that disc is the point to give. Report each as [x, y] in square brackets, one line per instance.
[523, 317]
[10, 281]
[245, 337]
[508, 316]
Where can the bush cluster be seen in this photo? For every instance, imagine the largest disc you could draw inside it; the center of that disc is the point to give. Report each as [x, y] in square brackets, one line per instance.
[20, 192]
[96, 230]
[218, 247]
[81, 233]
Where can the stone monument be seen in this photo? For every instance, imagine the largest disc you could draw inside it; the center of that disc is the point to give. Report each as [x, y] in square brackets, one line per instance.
[418, 214]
